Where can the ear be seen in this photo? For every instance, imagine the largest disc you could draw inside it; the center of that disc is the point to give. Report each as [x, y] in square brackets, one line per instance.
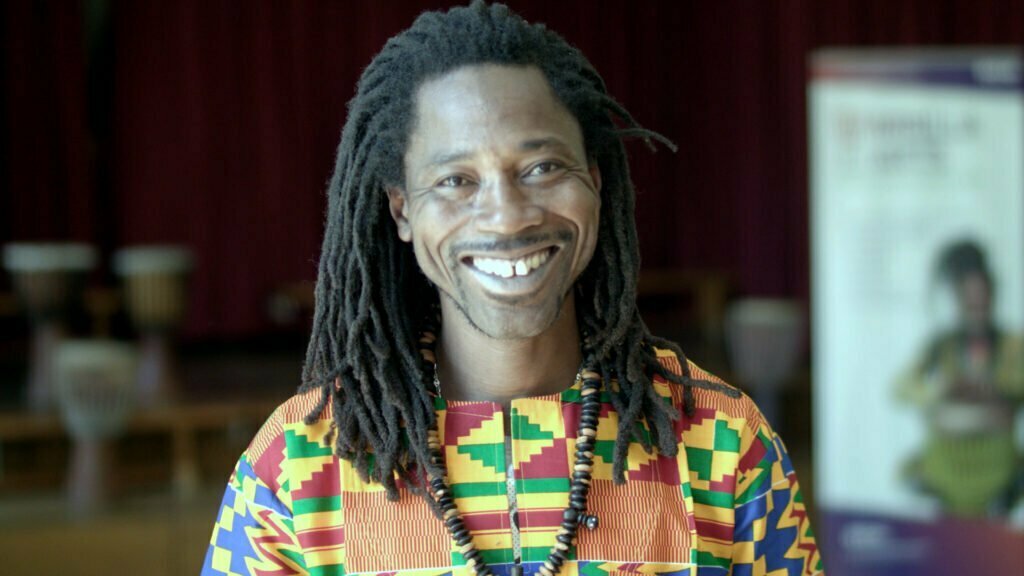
[397, 206]
[595, 175]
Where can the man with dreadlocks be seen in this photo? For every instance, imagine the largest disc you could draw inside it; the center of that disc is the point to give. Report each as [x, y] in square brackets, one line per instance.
[480, 395]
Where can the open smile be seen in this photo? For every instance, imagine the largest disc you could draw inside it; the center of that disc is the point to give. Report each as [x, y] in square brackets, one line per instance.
[511, 267]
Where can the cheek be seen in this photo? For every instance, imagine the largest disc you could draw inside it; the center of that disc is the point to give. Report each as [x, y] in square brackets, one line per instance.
[433, 224]
[592, 209]
[586, 215]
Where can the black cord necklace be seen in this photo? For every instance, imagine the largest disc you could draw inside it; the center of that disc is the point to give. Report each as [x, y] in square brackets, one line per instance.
[572, 517]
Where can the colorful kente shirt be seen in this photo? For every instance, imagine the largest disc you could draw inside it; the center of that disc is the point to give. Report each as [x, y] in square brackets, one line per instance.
[728, 503]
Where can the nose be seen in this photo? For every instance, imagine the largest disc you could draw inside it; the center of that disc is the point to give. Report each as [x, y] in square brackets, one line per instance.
[505, 208]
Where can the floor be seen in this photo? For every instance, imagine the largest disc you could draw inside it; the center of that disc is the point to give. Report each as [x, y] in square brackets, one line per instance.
[154, 535]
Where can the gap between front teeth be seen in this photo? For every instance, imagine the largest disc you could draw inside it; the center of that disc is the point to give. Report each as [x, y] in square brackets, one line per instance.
[511, 268]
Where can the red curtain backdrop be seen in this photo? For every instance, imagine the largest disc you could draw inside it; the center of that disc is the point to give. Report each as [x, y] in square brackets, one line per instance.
[46, 183]
[224, 117]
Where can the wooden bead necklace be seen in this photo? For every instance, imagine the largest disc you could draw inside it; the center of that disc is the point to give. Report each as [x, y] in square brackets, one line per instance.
[573, 516]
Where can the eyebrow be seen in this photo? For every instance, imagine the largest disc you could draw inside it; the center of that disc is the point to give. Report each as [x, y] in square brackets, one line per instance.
[447, 158]
[444, 158]
[540, 143]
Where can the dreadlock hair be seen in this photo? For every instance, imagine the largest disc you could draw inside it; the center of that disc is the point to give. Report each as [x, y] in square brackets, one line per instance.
[371, 296]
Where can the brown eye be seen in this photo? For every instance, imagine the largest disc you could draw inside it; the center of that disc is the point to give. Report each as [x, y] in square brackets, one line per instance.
[543, 168]
[453, 182]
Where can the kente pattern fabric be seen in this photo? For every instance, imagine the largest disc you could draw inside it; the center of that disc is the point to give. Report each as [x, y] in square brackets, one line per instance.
[729, 503]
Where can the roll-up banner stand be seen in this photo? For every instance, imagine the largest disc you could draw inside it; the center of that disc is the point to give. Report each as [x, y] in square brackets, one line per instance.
[917, 235]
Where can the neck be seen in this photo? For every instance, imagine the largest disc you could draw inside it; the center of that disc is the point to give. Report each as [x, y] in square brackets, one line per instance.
[475, 367]
[980, 331]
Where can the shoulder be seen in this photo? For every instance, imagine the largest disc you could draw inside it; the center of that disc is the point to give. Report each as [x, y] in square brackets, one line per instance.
[1011, 342]
[713, 396]
[285, 435]
[725, 422]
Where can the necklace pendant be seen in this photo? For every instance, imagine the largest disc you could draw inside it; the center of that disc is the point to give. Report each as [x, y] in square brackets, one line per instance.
[589, 521]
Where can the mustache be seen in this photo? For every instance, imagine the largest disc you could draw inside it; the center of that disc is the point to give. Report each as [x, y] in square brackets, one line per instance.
[509, 244]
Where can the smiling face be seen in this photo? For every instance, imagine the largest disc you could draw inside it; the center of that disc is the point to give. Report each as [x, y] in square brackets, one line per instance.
[500, 203]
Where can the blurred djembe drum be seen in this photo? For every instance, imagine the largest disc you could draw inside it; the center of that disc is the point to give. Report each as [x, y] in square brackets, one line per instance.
[95, 385]
[48, 279]
[970, 458]
[765, 339]
[155, 284]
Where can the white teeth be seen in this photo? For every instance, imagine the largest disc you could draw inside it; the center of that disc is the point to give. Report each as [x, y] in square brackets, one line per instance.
[510, 268]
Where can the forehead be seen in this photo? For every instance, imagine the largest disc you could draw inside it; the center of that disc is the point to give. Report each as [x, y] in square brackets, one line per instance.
[488, 107]
[973, 279]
